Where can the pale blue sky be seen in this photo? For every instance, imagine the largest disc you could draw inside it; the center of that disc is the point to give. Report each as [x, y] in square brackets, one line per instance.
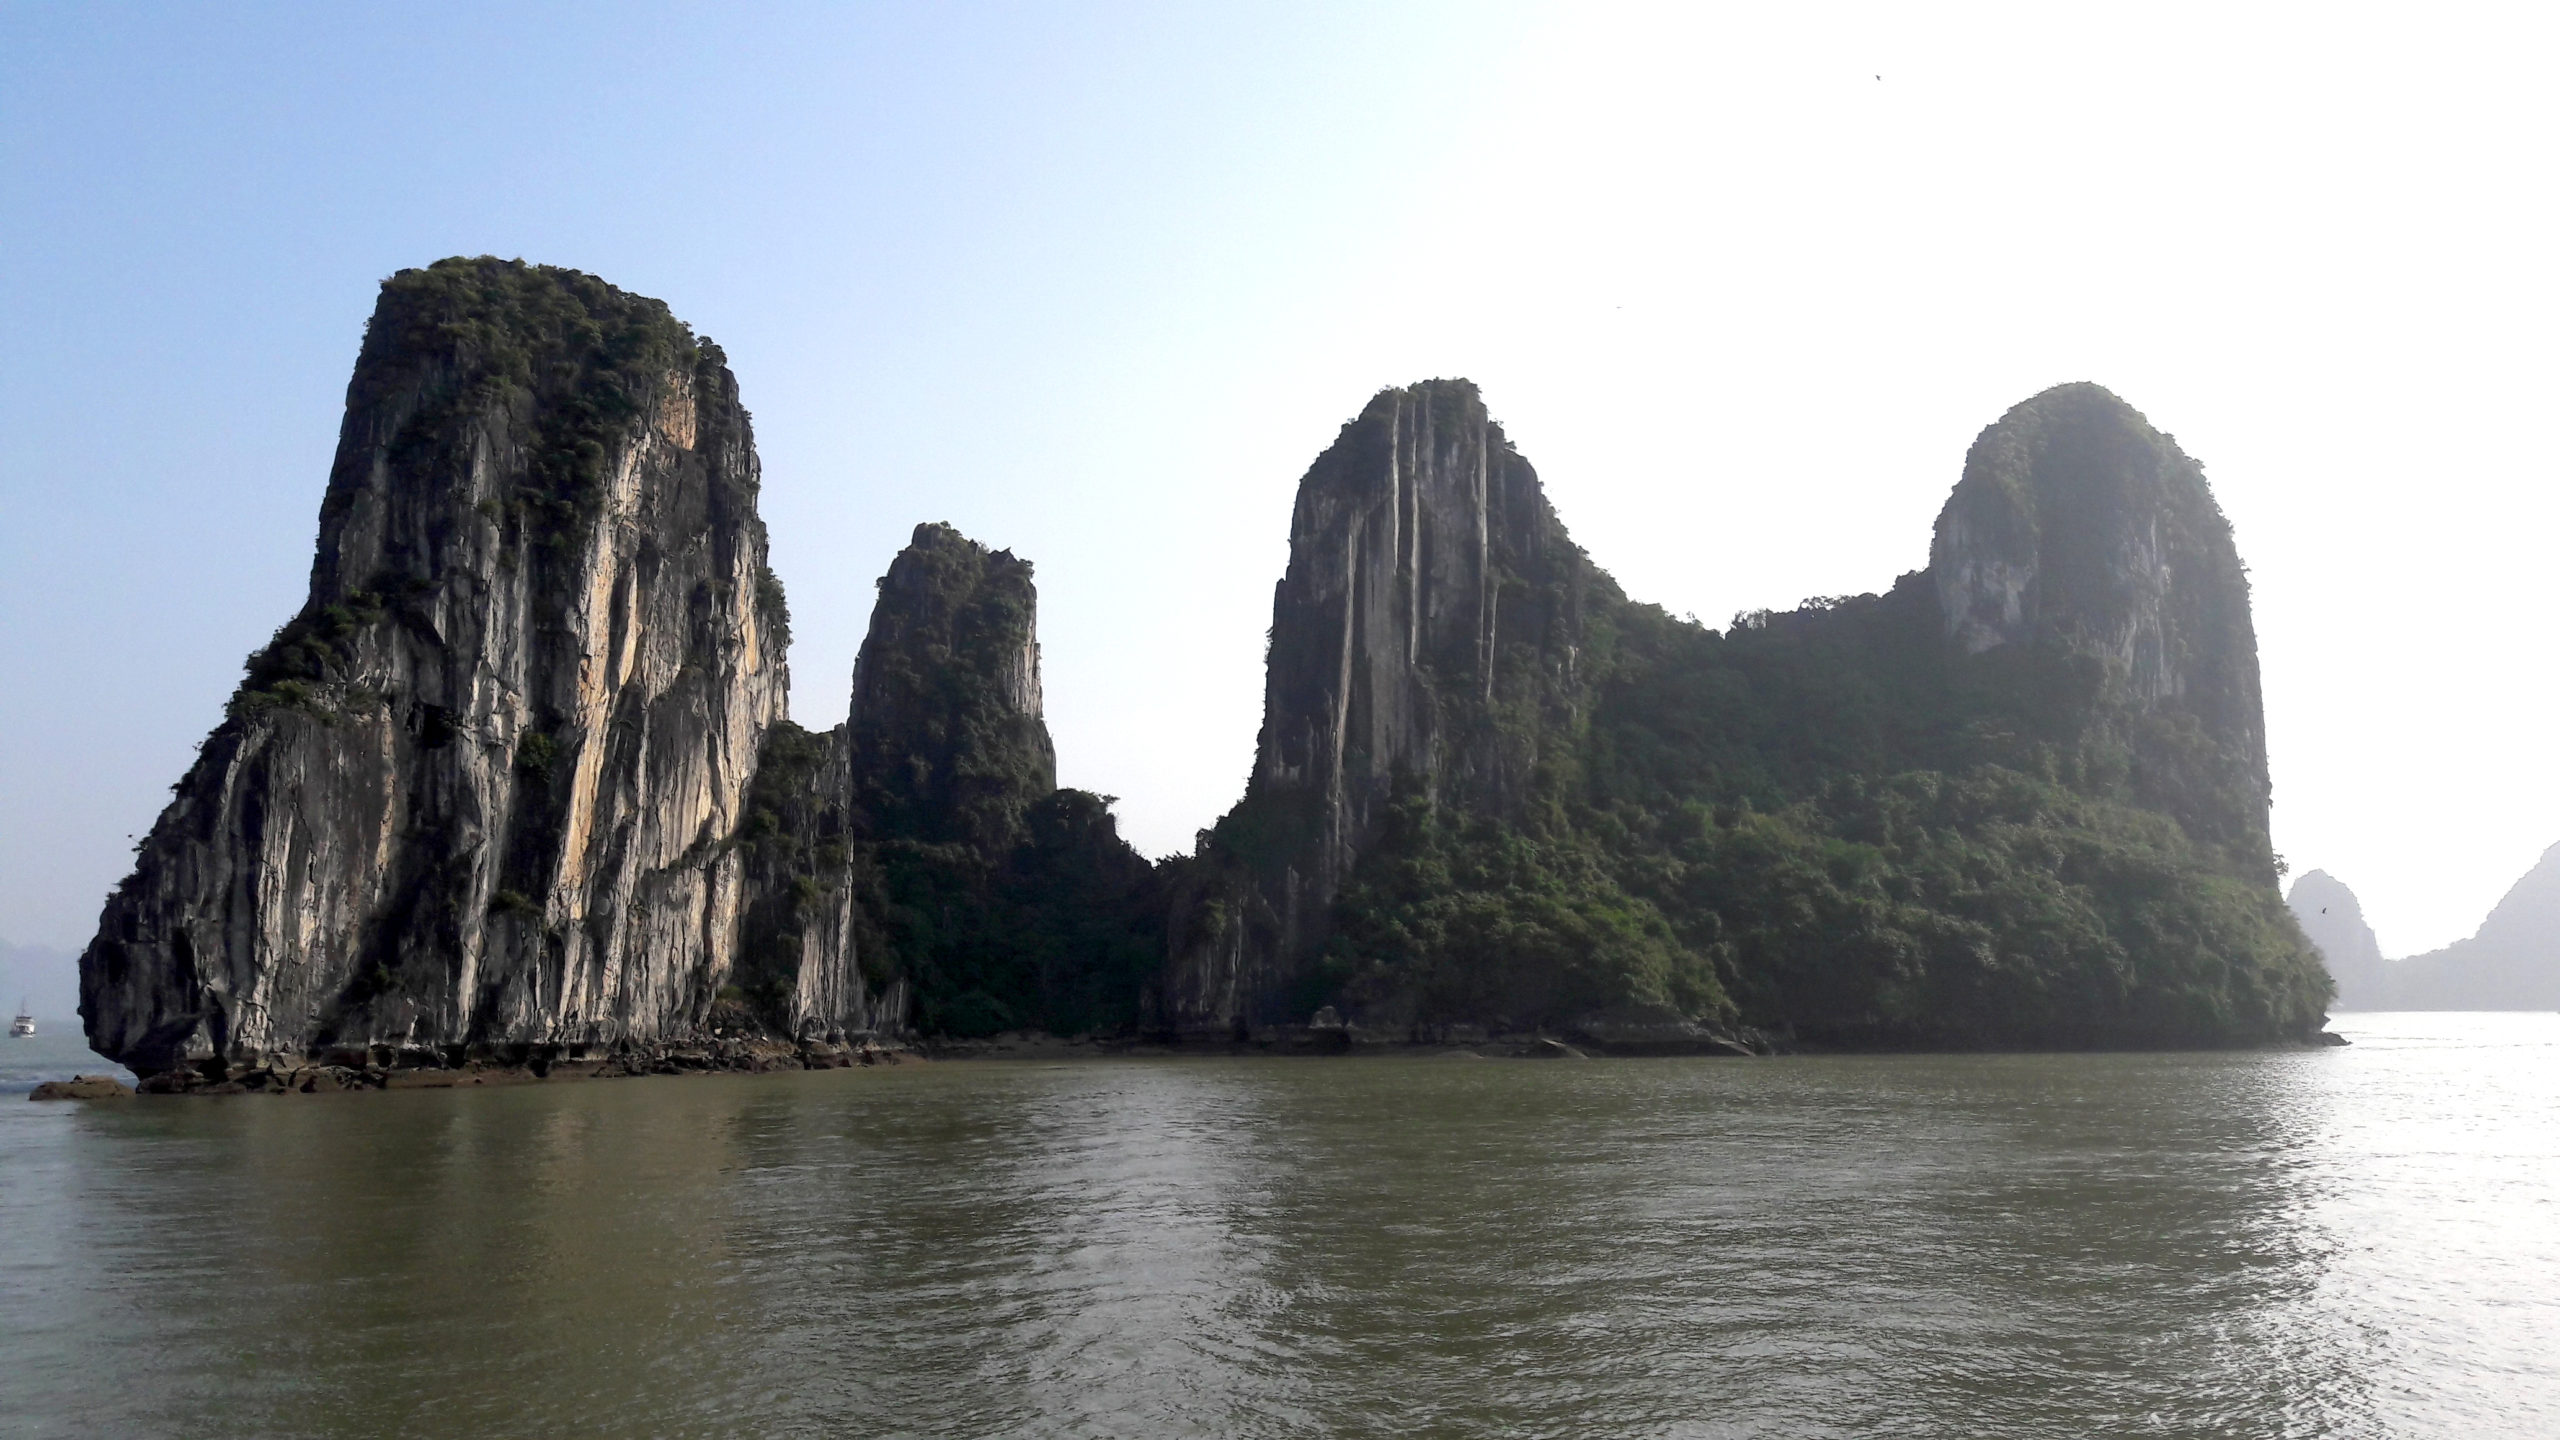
[1096, 281]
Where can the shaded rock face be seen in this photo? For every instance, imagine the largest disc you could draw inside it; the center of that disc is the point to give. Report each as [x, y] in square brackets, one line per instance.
[1429, 583]
[2333, 921]
[804, 932]
[1425, 637]
[927, 834]
[945, 735]
[2078, 526]
[2018, 799]
[481, 788]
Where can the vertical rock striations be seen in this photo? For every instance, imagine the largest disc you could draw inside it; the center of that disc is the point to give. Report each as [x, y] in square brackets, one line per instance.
[2078, 527]
[1425, 643]
[517, 776]
[480, 789]
[2019, 798]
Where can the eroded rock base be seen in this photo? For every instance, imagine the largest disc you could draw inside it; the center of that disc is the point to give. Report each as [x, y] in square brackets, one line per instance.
[383, 1067]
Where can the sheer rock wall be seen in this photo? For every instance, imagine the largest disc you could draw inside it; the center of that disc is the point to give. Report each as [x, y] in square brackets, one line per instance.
[481, 790]
[1427, 633]
[2078, 525]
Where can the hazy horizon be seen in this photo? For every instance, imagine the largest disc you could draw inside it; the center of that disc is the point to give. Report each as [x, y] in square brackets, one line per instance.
[1097, 286]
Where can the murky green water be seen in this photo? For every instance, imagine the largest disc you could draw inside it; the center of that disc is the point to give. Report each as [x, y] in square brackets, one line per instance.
[2363, 1241]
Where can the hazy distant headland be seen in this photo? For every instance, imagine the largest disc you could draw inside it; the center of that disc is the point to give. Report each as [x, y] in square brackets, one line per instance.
[2511, 963]
[515, 786]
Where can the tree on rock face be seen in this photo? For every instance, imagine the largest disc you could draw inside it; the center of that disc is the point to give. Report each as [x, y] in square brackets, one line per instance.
[473, 792]
[2017, 799]
[931, 837]
[948, 739]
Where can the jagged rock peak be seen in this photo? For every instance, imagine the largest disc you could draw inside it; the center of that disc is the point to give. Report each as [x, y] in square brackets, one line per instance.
[478, 789]
[946, 732]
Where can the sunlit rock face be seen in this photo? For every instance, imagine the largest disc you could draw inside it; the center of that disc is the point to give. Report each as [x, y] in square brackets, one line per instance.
[2079, 528]
[482, 788]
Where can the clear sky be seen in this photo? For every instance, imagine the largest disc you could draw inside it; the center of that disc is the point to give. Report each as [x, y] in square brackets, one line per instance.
[1096, 281]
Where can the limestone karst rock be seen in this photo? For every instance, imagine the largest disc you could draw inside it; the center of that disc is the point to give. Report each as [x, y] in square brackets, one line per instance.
[1425, 636]
[2512, 962]
[518, 777]
[480, 790]
[946, 732]
[2333, 920]
[2018, 798]
[928, 835]
[2078, 526]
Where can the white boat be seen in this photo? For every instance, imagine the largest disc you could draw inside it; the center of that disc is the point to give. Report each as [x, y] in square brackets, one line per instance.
[22, 1026]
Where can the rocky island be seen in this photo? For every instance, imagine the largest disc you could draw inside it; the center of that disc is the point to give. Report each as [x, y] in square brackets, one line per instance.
[2512, 962]
[515, 787]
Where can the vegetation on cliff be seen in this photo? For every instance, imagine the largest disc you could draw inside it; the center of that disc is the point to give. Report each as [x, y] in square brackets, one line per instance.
[450, 346]
[932, 826]
[1841, 822]
[478, 791]
[516, 774]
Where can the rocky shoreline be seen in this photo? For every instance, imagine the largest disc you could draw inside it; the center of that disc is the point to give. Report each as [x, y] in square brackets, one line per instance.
[417, 1068]
[386, 1067]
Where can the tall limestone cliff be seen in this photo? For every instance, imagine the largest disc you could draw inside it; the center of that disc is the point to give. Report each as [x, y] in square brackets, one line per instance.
[1425, 641]
[2078, 527]
[517, 776]
[480, 790]
[927, 834]
[2019, 798]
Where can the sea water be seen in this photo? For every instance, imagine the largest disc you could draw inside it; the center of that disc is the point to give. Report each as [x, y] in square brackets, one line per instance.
[2361, 1241]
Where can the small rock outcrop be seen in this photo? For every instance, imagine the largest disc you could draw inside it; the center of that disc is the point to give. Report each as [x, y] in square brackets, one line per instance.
[82, 1087]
